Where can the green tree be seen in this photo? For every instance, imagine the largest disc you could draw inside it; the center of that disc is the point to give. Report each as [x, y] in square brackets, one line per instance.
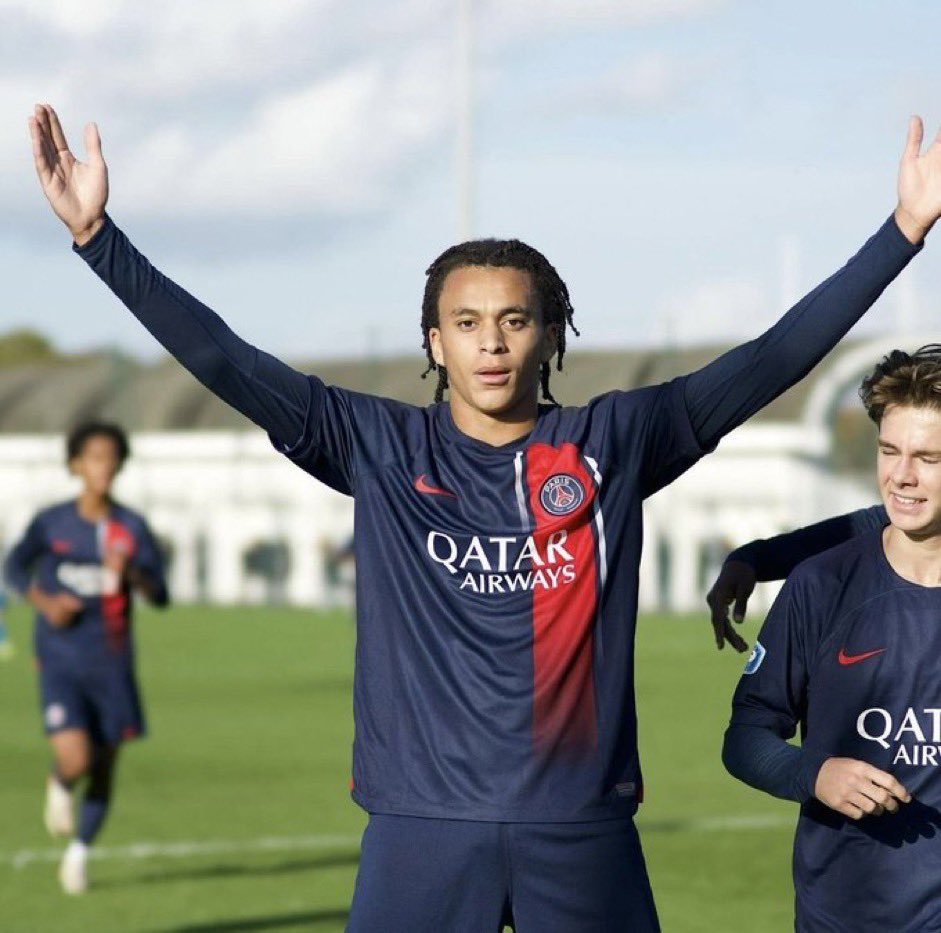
[25, 346]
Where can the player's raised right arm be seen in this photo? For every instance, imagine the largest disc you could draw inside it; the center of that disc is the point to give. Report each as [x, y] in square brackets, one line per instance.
[270, 393]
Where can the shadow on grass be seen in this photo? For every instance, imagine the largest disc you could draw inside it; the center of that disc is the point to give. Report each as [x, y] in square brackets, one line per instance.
[275, 922]
[229, 870]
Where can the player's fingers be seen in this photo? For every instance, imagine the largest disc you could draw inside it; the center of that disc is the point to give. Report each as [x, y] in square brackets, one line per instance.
[741, 603]
[735, 640]
[55, 129]
[43, 135]
[718, 601]
[849, 808]
[870, 807]
[890, 784]
[40, 159]
[93, 144]
[718, 627]
[916, 132]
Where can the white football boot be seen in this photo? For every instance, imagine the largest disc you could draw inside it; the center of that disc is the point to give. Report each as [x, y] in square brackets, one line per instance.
[73, 869]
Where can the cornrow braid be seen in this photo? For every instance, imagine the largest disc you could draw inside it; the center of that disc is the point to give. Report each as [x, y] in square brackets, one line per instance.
[552, 292]
[902, 378]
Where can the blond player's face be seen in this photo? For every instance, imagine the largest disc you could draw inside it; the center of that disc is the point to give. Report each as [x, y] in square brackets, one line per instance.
[908, 466]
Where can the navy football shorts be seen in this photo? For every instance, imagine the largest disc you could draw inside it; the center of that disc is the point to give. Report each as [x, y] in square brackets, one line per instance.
[103, 701]
[430, 875]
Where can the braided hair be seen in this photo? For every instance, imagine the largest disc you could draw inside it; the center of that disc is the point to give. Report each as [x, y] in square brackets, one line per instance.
[552, 292]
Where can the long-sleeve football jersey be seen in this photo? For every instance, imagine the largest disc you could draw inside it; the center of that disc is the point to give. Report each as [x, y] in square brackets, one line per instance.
[847, 656]
[496, 586]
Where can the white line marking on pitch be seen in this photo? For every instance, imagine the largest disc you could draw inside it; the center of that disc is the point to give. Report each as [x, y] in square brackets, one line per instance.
[147, 850]
[150, 850]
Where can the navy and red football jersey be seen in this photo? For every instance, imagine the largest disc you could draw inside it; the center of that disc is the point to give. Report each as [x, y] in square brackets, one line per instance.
[496, 586]
[496, 595]
[849, 655]
[63, 552]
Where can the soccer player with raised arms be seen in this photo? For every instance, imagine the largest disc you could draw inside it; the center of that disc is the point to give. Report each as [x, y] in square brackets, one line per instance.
[849, 654]
[497, 548]
[79, 564]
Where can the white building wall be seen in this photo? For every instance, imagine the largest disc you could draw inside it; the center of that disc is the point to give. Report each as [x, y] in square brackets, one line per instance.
[229, 490]
[761, 481]
[222, 492]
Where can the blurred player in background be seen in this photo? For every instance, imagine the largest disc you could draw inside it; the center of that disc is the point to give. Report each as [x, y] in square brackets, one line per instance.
[497, 548]
[79, 564]
[849, 653]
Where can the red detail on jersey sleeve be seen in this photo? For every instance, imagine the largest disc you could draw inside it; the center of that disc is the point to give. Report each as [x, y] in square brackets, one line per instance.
[564, 717]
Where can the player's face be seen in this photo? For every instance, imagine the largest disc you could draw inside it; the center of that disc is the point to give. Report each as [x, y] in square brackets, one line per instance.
[909, 469]
[491, 338]
[97, 464]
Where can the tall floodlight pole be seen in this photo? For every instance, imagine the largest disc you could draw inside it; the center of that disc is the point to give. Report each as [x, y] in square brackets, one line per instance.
[465, 127]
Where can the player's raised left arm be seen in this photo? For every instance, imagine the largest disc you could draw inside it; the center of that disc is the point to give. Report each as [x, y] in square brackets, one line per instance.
[732, 388]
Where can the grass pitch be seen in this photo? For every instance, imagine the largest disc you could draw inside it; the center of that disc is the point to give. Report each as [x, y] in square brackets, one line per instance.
[233, 815]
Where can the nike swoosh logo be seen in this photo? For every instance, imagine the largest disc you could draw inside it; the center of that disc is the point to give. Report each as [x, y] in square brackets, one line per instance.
[423, 486]
[845, 658]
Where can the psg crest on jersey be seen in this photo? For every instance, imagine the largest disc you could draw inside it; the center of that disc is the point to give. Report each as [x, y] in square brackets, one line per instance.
[561, 494]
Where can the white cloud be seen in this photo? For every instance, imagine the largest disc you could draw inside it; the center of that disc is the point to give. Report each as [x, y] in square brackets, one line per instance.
[76, 17]
[651, 81]
[238, 108]
[335, 146]
[533, 16]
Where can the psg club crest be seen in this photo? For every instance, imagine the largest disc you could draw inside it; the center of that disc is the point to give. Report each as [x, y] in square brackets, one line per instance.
[561, 494]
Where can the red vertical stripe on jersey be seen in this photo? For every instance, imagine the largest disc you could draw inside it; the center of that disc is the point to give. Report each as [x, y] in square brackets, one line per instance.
[564, 719]
[114, 605]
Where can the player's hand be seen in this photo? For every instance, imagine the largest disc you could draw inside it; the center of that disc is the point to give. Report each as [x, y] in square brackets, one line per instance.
[857, 789]
[919, 184]
[77, 191]
[59, 609]
[735, 583]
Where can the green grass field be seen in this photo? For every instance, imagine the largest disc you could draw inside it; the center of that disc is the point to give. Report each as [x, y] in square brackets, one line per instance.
[234, 815]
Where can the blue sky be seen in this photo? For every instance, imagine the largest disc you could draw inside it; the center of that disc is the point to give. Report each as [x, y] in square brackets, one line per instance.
[688, 165]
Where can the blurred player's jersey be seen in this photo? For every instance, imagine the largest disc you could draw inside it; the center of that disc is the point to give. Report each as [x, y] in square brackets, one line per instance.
[496, 595]
[63, 552]
[850, 653]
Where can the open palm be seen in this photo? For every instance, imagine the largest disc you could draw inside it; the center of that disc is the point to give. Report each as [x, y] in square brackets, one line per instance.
[77, 191]
[919, 184]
